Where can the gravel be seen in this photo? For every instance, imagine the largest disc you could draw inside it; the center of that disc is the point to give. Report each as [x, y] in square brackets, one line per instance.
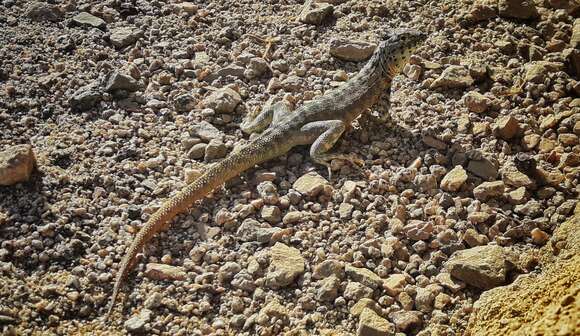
[122, 103]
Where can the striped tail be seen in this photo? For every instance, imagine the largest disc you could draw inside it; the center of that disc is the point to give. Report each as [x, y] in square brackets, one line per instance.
[237, 162]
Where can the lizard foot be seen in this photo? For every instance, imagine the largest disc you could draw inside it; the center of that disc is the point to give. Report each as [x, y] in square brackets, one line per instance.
[351, 158]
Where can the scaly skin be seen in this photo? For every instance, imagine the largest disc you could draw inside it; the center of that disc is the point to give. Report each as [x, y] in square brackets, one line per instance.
[320, 123]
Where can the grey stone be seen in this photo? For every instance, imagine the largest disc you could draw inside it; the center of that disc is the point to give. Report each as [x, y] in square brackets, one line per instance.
[124, 36]
[215, 149]
[316, 15]
[136, 324]
[119, 81]
[86, 19]
[85, 97]
[205, 131]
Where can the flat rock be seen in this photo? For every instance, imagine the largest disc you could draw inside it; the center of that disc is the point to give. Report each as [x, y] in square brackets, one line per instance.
[483, 267]
[16, 164]
[223, 100]
[205, 131]
[286, 265]
[483, 168]
[454, 179]
[488, 190]
[124, 36]
[517, 9]
[364, 276]
[453, 77]
[41, 11]
[317, 14]
[351, 50]
[85, 19]
[310, 184]
[371, 324]
[164, 272]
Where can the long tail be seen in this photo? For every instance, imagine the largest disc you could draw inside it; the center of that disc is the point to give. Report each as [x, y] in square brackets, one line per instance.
[231, 166]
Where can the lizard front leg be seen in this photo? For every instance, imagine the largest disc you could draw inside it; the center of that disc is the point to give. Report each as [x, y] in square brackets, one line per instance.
[326, 133]
[270, 115]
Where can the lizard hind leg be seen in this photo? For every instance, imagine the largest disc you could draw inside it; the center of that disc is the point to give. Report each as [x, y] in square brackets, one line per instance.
[326, 134]
[270, 115]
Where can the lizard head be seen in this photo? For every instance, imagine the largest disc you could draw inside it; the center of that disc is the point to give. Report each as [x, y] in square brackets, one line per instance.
[397, 46]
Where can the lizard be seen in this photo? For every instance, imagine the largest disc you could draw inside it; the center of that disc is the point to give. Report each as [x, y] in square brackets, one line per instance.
[318, 123]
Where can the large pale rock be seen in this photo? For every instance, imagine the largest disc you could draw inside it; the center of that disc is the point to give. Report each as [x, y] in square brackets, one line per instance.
[476, 102]
[223, 100]
[16, 164]
[310, 184]
[164, 272]
[286, 265]
[483, 267]
[364, 276]
[351, 50]
[488, 190]
[371, 324]
[455, 76]
[454, 179]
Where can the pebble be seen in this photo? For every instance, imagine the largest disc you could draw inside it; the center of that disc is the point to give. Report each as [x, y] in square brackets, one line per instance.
[507, 127]
[215, 149]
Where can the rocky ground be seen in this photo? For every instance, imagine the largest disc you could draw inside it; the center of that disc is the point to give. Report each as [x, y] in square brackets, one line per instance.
[108, 108]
